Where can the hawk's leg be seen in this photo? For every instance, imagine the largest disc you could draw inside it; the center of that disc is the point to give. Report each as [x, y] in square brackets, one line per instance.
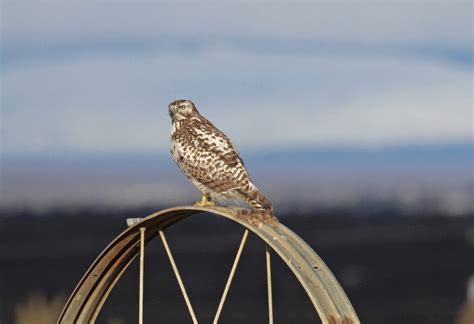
[205, 201]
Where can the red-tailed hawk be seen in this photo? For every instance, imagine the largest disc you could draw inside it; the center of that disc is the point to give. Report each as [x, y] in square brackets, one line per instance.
[209, 159]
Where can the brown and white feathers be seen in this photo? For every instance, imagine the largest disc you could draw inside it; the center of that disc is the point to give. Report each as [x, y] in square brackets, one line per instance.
[209, 159]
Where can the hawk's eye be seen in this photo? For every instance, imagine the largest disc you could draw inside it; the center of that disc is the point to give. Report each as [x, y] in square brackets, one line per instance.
[181, 107]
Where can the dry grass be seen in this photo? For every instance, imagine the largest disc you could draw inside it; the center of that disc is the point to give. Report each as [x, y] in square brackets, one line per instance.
[466, 314]
[38, 309]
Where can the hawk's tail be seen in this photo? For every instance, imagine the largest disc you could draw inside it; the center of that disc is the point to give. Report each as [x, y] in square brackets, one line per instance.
[255, 198]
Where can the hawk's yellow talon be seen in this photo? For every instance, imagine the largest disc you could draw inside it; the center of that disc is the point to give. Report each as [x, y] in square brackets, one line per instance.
[204, 202]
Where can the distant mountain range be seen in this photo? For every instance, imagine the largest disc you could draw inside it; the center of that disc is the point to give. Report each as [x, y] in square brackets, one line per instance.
[413, 178]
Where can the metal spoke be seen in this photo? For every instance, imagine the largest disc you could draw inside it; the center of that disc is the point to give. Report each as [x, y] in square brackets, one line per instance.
[142, 274]
[231, 276]
[269, 284]
[178, 277]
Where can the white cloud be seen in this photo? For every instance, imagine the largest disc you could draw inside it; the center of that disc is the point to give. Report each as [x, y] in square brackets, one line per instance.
[97, 104]
[63, 94]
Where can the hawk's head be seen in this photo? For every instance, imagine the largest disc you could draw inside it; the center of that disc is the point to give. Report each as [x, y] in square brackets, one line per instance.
[182, 109]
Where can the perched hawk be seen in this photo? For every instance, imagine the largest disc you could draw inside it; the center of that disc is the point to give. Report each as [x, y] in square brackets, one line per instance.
[209, 159]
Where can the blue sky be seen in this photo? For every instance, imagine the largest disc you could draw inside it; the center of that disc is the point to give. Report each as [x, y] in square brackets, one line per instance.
[88, 79]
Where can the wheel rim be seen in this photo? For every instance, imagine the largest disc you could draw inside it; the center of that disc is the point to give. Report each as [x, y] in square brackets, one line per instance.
[327, 296]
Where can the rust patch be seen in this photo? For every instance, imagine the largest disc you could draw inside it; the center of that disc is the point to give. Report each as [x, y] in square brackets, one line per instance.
[345, 320]
[332, 320]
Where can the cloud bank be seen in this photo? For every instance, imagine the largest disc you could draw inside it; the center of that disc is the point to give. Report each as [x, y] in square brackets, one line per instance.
[97, 77]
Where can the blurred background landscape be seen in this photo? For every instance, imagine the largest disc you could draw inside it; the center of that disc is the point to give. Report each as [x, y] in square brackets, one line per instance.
[354, 118]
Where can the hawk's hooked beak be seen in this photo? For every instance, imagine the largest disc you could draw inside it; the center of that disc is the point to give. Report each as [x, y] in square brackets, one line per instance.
[171, 113]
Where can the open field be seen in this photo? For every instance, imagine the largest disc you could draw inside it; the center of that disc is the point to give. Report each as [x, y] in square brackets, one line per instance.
[394, 269]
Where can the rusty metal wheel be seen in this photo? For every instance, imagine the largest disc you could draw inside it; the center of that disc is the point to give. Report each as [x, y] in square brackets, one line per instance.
[326, 295]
